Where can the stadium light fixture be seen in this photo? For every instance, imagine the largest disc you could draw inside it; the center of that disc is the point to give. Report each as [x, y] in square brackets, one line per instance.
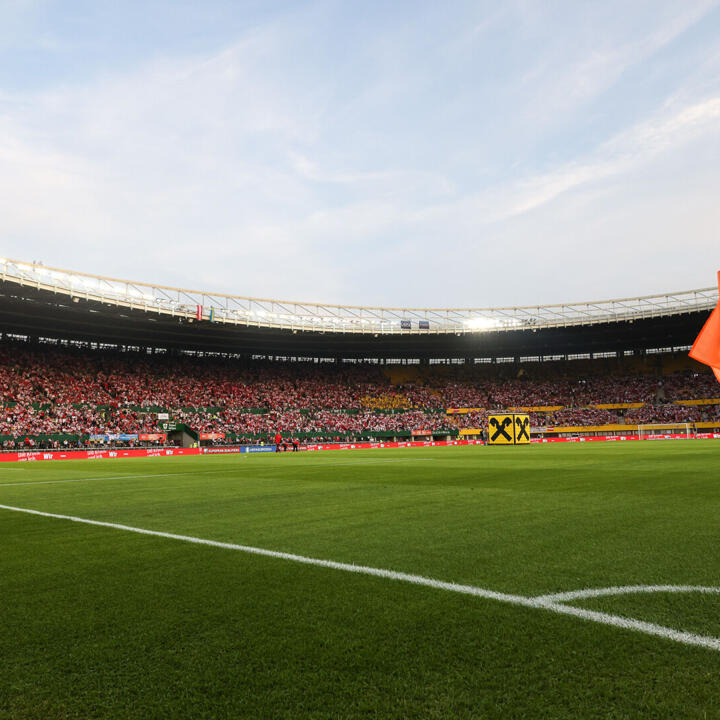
[480, 323]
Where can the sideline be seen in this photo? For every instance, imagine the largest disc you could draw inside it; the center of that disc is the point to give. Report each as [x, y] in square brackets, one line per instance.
[110, 477]
[193, 473]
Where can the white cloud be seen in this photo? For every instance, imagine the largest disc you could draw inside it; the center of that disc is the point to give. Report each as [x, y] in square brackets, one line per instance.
[606, 40]
[621, 154]
[232, 171]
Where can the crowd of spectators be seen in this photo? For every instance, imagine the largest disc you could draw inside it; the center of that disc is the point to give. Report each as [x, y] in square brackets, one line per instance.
[577, 391]
[669, 413]
[386, 401]
[50, 390]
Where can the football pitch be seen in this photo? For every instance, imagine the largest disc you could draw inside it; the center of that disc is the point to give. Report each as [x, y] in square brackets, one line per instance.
[547, 581]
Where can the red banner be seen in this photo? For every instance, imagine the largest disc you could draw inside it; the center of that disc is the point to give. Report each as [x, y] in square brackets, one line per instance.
[211, 436]
[378, 445]
[36, 455]
[615, 438]
[153, 437]
[33, 456]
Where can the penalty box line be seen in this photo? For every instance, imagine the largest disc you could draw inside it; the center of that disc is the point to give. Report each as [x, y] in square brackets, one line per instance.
[540, 603]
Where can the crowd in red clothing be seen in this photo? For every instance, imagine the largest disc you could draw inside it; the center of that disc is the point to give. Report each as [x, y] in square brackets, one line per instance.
[325, 421]
[578, 392]
[50, 389]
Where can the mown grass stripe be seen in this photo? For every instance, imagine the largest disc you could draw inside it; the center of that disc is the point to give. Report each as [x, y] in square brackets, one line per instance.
[541, 602]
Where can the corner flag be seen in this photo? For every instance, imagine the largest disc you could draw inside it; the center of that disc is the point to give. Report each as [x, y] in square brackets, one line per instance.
[707, 345]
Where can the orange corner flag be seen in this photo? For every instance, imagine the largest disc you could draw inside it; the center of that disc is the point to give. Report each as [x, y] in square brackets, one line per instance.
[707, 345]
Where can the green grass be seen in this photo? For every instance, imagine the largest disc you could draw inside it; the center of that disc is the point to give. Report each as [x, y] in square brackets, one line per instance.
[97, 622]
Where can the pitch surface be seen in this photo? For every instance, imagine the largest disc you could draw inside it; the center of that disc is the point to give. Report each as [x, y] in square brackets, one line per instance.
[100, 622]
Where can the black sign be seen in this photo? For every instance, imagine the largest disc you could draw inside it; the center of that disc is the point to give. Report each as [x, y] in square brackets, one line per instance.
[522, 426]
[500, 428]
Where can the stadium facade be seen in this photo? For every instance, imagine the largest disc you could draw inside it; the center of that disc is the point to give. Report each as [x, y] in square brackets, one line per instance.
[41, 302]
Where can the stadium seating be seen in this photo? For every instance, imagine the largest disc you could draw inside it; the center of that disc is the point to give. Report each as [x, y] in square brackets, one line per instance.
[75, 392]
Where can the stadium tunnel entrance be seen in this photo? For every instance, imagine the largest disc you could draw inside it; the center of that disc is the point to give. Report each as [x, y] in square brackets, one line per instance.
[180, 435]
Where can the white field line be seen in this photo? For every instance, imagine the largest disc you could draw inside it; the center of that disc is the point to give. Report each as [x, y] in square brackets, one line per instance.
[193, 473]
[367, 462]
[625, 590]
[108, 477]
[667, 633]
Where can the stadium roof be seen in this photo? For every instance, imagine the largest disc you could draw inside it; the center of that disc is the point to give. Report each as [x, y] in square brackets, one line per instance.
[45, 301]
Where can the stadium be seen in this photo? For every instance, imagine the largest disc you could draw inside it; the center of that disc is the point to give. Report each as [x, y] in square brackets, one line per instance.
[422, 572]
[592, 370]
[359, 360]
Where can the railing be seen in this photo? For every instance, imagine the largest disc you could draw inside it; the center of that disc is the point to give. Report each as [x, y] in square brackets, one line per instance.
[198, 305]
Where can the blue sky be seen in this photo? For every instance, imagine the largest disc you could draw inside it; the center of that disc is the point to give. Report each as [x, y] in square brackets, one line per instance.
[406, 153]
